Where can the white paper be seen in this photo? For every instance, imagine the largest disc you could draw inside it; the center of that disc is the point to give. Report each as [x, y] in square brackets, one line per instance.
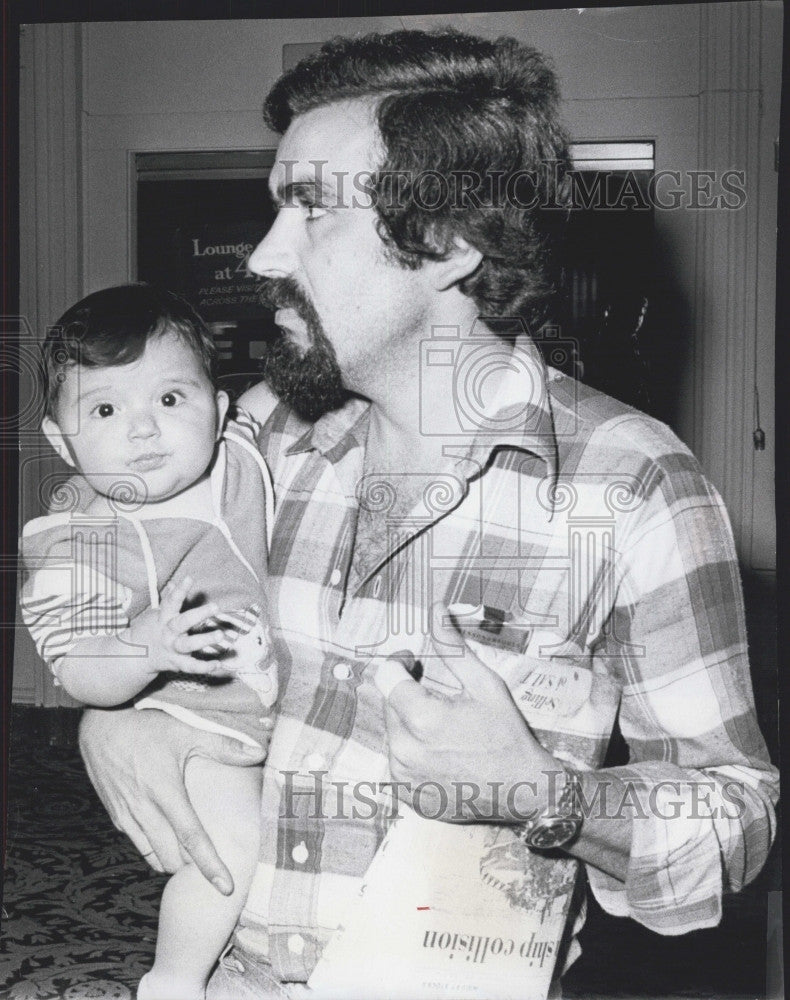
[450, 910]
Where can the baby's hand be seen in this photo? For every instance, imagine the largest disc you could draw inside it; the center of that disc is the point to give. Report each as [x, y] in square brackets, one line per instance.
[165, 631]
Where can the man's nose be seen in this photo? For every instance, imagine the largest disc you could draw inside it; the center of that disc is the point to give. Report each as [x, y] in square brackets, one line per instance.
[274, 255]
[143, 424]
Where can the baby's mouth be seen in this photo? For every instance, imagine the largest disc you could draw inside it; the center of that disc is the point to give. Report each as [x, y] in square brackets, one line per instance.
[148, 461]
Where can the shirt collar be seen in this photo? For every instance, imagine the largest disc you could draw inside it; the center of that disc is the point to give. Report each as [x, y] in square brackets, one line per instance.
[330, 429]
[520, 415]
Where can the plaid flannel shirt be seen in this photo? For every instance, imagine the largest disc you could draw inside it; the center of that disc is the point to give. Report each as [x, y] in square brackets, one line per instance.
[592, 532]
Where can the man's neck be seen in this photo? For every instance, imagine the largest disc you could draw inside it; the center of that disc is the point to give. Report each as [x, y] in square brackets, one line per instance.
[395, 446]
[415, 412]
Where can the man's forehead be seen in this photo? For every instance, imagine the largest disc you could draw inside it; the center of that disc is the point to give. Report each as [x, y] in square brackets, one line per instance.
[342, 136]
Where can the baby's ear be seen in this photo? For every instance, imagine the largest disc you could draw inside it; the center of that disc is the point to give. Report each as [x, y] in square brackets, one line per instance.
[223, 401]
[55, 437]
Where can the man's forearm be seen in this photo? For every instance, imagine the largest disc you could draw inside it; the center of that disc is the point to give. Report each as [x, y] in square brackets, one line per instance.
[604, 840]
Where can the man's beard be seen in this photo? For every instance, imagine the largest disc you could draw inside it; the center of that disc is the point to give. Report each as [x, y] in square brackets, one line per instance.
[309, 381]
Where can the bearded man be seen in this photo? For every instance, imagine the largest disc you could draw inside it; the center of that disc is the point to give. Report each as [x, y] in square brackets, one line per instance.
[441, 619]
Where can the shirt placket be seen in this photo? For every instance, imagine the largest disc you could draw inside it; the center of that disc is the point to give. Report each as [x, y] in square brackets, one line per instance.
[328, 723]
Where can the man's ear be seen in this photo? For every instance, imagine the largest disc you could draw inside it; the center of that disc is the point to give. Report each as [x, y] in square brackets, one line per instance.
[223, 401]
[461, 261]
[55, 437]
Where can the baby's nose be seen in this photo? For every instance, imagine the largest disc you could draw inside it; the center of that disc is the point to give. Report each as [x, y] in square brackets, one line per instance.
[143, 425]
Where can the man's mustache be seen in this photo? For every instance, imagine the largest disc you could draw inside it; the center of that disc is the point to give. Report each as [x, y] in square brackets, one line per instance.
[285, 293]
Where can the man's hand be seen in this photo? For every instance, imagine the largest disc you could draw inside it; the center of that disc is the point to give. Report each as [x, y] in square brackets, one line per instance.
[166, 633]
[475, 745]
[136, 762]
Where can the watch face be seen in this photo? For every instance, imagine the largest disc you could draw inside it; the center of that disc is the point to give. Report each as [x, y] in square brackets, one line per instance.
[554, 833]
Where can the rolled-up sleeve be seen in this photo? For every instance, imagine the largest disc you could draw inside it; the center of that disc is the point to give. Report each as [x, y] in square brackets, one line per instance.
[700, 786]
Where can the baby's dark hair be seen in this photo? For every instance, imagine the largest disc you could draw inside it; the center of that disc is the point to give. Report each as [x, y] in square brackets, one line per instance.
[112, 327]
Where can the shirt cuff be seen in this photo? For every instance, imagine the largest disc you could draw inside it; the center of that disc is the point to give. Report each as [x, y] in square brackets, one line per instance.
[674, 880]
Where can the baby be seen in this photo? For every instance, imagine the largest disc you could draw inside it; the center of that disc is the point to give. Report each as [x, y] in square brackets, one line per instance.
[150, 586]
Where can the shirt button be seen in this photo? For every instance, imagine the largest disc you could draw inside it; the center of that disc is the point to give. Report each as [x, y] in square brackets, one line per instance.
[300, 854]
[296, 944]
[315, 762]
[342, 671]
[334, 579]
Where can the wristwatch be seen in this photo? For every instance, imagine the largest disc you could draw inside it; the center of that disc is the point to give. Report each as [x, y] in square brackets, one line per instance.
[561, 823]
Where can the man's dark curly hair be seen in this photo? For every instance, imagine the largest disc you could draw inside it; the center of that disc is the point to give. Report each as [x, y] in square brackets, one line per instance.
[449, 106]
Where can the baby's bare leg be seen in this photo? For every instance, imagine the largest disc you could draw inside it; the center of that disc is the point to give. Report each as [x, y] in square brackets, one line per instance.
[195, 920]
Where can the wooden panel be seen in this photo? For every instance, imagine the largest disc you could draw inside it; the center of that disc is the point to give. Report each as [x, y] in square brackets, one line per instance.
[51, 251]
[731, 320]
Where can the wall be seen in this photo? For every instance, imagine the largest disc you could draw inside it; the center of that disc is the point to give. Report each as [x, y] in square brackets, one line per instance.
[702, 81]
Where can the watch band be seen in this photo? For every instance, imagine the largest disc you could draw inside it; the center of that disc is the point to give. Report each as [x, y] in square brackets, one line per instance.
[561, 823]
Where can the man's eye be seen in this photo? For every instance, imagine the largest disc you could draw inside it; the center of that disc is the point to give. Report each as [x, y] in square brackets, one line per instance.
[171, 399]
[313, 211]
[104, 410]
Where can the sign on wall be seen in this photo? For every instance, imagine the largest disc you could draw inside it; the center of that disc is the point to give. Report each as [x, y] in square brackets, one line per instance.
[213, 261]
[199, 217]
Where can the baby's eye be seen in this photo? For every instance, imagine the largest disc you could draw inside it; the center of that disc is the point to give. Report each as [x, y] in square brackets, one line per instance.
[104, 410]
[171, 399]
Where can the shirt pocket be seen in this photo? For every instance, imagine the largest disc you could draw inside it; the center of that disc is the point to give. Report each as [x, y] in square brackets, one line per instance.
[555, 688]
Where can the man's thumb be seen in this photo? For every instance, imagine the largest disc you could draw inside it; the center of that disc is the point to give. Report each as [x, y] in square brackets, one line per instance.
[468, 669]
[228, 750]
[390, 671]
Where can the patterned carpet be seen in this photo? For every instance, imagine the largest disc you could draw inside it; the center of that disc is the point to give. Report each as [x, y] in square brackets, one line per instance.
[80, 906]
